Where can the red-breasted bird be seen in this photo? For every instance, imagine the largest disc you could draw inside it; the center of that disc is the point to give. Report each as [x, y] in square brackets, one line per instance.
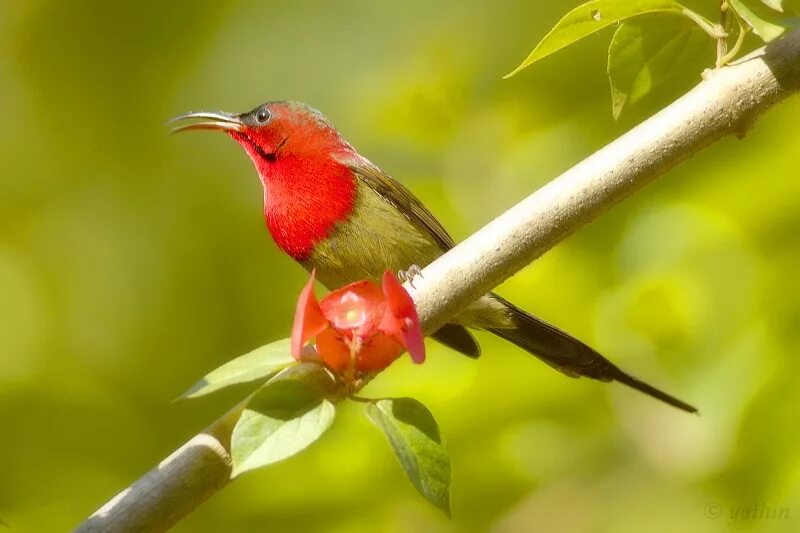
[333, 210]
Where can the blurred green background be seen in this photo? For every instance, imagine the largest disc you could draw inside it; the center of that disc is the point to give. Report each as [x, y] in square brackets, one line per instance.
[132, 262]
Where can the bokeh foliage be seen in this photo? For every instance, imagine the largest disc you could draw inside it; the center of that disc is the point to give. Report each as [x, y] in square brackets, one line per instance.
[131, 263]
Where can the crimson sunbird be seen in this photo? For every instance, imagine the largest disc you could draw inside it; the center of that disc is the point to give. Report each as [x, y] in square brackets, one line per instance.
[331, 209]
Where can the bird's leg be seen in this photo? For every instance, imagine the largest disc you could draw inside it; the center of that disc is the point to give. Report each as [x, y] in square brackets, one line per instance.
[409, 275]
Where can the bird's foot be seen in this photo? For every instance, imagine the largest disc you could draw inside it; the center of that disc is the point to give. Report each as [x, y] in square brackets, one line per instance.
[407, 276]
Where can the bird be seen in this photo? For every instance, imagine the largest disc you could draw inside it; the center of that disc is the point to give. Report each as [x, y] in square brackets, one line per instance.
[336, 213]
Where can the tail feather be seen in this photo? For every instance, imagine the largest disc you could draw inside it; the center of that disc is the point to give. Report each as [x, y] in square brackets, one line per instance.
[571, 356]
[459, 339]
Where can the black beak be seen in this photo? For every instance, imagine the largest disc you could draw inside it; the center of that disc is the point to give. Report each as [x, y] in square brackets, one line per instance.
[215, 120]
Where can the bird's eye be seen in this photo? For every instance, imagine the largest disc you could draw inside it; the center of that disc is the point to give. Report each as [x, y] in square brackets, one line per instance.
[262, 115]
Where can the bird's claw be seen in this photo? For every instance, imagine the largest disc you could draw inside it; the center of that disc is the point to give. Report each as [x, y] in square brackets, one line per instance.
[407, 276]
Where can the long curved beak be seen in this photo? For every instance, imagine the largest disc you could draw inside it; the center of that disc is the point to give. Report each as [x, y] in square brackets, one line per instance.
[215, 120]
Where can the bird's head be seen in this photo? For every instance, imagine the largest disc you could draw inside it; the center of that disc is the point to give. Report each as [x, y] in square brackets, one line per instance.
[302, 161]
[277, 135]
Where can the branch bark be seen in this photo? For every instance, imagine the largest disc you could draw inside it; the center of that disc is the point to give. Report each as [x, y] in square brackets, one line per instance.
[726, 102]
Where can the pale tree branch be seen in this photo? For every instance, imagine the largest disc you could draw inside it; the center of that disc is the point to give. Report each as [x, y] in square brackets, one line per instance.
[726, 102]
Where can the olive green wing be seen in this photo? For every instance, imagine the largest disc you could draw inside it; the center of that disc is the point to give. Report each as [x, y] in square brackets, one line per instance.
[402, 199]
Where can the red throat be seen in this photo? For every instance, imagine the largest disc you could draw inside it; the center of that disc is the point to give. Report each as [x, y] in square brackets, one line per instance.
[306, 192]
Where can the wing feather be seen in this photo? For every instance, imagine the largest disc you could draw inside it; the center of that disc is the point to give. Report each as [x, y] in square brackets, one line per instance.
[404, 200]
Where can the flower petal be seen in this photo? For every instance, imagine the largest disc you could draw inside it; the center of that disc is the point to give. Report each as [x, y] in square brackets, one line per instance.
[308, 318]
[400, 302]
[357, 307]
[378, 352]
[402, 307]
[333, 350]
[415, 344]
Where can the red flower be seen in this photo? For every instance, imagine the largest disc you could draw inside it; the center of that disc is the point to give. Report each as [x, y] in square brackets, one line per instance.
[359, 329]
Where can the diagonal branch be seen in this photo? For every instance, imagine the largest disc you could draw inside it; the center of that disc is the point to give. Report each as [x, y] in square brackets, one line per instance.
[727, 102]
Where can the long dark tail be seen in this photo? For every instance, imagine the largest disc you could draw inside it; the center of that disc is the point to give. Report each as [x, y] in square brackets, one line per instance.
[571, 356]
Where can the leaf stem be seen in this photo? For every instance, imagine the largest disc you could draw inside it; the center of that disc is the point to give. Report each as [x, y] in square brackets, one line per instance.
[732, 53]
[722, 41]
[361, 399]
[715, 31]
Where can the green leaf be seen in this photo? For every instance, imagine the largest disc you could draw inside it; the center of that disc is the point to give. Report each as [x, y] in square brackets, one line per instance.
[261, 363]
[765, 24]
[281, 419]
[591, 17]
[415, 439]
[777, 5]
[646, 53]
